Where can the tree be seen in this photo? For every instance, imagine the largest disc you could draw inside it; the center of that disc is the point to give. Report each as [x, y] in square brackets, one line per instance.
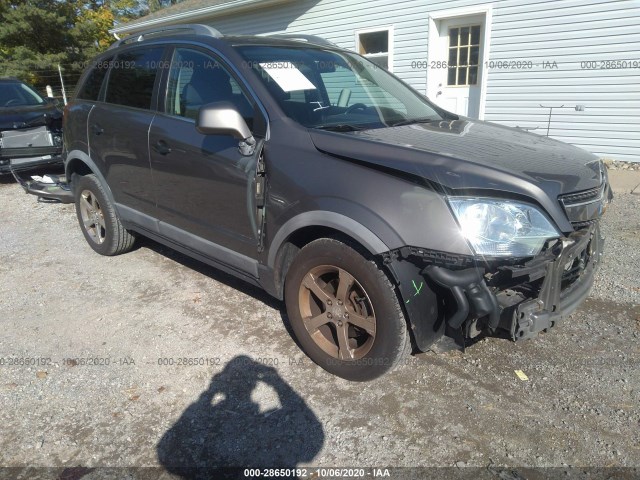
[155, 5]
[94, 18]
[38, 35]
[34, 36]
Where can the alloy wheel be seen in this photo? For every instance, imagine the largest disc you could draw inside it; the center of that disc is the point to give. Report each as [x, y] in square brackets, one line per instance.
[337, 312]
[92, 217]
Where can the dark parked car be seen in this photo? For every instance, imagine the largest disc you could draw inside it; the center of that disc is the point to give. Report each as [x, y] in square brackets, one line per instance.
[384, 222]
[30, 127]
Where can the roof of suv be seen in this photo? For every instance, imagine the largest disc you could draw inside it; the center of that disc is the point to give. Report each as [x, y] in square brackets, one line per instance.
[292, 40]
[204, 30]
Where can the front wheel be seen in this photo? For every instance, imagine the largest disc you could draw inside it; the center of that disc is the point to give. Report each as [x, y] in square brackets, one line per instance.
[98, 218]
[344, 311]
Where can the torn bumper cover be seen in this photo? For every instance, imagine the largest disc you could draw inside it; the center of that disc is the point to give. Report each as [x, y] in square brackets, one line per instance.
[48, 189]
[463, 300]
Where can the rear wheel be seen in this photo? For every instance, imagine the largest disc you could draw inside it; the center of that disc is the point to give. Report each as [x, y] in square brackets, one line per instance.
[344, 311]
[98, 218]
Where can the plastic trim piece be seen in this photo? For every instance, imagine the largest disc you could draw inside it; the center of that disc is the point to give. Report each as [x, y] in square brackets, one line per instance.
[319, 218]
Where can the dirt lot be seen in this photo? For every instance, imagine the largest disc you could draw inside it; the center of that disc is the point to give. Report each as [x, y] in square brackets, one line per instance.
[92, 371]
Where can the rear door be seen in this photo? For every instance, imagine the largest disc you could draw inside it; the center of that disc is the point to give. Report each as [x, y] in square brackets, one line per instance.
[118, 128]
[77, 112]
[205, 188]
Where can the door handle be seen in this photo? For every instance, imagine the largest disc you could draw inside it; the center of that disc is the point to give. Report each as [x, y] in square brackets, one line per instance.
[97, 129]
[161, 147]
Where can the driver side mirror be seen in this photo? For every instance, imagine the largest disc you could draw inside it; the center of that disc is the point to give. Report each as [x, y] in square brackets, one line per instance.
[222, 118]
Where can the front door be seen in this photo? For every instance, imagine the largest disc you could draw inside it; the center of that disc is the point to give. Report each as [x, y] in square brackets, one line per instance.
[456, 65]
[204, 186]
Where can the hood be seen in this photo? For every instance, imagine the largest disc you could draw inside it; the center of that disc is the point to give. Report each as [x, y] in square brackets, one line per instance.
[12, 118]
[470, 155]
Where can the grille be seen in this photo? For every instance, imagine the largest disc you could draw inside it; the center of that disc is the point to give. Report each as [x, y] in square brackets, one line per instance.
[584, 208]
[586, 196]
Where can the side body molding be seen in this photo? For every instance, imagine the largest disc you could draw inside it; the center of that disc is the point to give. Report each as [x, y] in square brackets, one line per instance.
[319, 218]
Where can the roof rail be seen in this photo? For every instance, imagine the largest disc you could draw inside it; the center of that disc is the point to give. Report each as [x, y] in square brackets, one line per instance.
[304, 38]
[194, 28]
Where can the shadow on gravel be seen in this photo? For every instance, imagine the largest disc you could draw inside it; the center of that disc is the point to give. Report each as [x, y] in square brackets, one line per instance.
[6, 179]
[225, 432]
[209, 271]
[220, 276]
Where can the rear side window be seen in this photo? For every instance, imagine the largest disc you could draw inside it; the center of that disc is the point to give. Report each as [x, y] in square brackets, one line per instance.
[90, 90]
[133, 75]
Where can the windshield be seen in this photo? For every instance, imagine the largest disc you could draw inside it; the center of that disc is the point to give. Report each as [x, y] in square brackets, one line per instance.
[17, 94]
[336, 90]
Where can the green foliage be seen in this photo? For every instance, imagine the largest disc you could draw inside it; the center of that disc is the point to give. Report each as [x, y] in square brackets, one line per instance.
[155, 5]
[34, 35]
[38, 35]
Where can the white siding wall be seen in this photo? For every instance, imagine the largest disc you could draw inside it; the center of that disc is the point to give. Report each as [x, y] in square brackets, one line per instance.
[570, 32]
[567, 32]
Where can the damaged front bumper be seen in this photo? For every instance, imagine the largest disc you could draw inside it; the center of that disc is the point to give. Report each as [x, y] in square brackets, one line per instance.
[567, 280]
[462, 299]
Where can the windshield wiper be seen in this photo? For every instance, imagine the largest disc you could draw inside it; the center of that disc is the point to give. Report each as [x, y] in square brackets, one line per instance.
[412, 121]
[340, 127]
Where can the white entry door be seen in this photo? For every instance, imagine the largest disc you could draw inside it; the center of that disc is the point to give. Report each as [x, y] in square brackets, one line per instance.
[456, 64]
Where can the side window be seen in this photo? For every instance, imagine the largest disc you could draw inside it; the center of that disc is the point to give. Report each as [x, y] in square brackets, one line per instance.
[377, 47]
[132, 77]
[90, 90]
[197, 79]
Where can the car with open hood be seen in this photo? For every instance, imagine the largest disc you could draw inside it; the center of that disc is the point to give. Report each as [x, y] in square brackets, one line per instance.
[385, 223]
[30, 127]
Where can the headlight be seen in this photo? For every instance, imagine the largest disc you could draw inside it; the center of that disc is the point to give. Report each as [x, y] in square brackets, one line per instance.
[500, 228]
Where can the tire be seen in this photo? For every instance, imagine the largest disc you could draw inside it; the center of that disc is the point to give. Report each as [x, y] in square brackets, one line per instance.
[98, 218]
[344, 311]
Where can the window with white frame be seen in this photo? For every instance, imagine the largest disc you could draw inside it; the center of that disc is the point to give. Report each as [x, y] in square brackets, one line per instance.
[377, 46]
[464, 55]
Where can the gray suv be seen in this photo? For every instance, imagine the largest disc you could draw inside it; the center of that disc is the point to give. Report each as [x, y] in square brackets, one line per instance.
[385, 223]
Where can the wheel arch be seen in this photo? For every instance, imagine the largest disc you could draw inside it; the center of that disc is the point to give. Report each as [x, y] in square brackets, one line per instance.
[307, 227]
[80, 163]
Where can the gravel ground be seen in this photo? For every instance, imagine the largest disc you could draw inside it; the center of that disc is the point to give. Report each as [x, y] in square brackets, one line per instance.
[617, 165]
[253, 398]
